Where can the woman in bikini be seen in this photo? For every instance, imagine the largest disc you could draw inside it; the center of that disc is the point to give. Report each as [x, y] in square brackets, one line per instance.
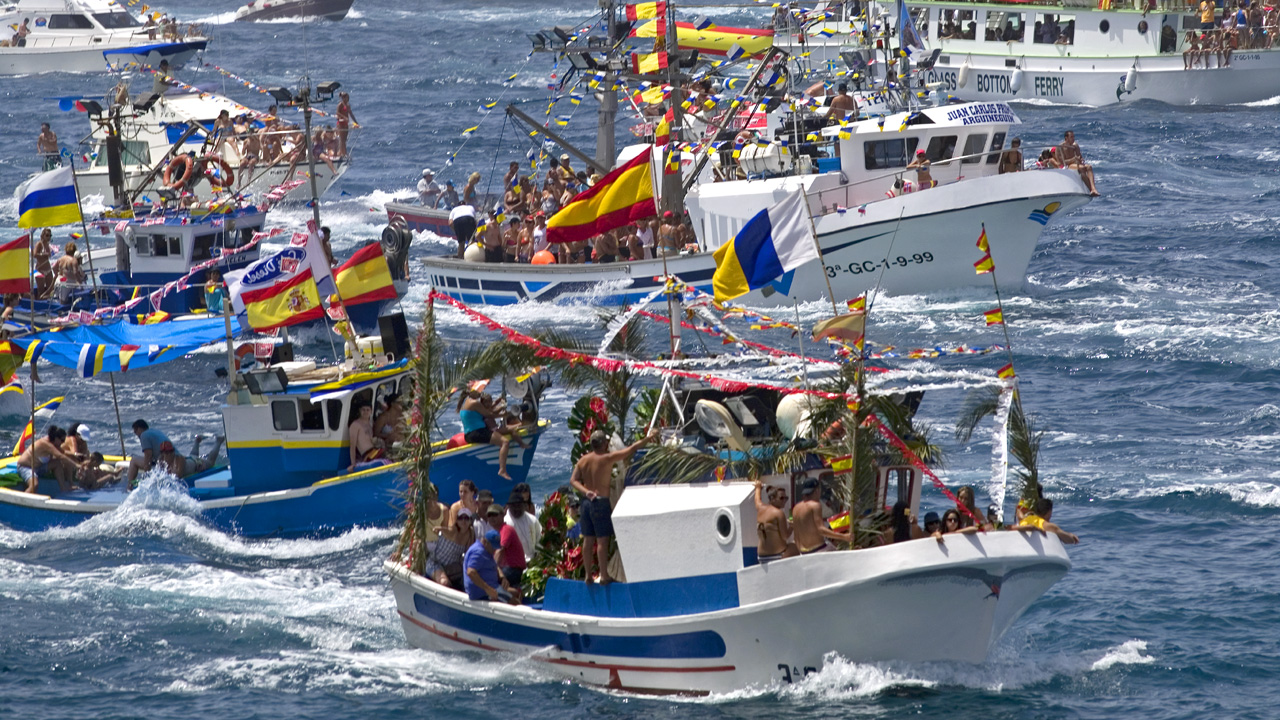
[447, 551]
[479, 425]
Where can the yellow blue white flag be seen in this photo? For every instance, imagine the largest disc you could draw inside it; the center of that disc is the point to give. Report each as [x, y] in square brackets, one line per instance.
[49, 200]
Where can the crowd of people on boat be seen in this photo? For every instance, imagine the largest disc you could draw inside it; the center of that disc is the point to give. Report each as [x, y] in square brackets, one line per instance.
[515, 231]
[1243, 25]
[65, 456]
[53, 278]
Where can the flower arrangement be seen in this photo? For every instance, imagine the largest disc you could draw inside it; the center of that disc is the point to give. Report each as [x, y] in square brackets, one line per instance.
[556, 555]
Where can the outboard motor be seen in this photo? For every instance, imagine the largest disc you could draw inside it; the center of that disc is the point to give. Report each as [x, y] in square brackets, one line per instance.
[396, 238]
[526, 390]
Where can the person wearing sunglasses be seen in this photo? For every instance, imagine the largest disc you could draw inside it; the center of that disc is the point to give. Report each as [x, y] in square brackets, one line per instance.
[772, 528]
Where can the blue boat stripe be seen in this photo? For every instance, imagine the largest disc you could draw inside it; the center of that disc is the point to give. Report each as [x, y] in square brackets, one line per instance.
[676, 646]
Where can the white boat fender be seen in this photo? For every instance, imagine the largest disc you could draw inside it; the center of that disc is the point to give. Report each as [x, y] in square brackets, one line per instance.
[1015, 83]
[474, 253]
[964, 74]
[1131, 80]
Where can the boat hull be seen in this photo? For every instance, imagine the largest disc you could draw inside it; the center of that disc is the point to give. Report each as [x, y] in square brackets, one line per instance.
[281, 9]
[875, 605]
[81, 55]
[328, 507]
[904, 245]
[418, 218]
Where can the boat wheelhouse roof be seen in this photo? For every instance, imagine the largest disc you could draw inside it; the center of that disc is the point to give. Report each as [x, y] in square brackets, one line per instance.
[945, 116]
[189, 218]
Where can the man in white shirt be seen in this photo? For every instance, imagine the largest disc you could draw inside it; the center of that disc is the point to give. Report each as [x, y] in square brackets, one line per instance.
[524, 523]
[644, 232]
[540, 233]
[428, 190]
[463, 220]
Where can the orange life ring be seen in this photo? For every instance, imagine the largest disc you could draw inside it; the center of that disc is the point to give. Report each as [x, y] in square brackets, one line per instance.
[228, 178]
[188, 166]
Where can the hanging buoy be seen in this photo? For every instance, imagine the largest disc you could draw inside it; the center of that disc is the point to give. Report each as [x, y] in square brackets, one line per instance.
[1015, 83]
[1131, 79]
[964, 74]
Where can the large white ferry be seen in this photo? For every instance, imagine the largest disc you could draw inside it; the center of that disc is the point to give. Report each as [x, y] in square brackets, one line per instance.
[1073, 52]
[83, 36]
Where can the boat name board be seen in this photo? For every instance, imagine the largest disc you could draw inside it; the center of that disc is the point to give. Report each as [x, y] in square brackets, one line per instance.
[982, 113]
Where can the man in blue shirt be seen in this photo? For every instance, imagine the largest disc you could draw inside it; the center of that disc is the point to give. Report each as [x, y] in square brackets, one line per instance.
[151, 440]
[480, 570]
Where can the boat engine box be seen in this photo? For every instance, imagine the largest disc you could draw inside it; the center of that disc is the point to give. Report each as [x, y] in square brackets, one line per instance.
[677, 531]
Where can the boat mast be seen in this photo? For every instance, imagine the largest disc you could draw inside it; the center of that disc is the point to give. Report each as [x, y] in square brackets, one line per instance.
[672, 184]
[608, 107]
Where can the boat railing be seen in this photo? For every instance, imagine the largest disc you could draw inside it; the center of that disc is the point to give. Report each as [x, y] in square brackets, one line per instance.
[838, 199]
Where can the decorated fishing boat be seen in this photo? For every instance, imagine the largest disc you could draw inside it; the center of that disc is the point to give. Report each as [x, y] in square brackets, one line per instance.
[286, 9]
[288, 468]
[84, 36]
[873, 231]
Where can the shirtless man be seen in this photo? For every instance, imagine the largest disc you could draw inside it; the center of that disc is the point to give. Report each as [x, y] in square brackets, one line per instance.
[47, 147]
[606, 247]
[772, 528]
[811, 531]
[1011, 159]
[363, 441]
[492, 239]
[1068, 155]
[841, 104]
[591, 478]
[45, 455]
[250, 153]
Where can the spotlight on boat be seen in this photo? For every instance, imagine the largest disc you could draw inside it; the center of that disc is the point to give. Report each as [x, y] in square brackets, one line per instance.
[326, 90]
[145, 105]
[280, 95]
[929, 62]
[91, 107]
[688, 59]
[538, 39]
[564, 33]
[582, 61]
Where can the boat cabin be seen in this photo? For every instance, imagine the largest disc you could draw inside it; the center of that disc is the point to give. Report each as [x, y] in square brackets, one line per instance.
[288, 425]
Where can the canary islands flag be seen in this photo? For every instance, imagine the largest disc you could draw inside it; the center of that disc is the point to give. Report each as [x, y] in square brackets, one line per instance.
[776, 240]
[15, 266]
[365, 277]
[49, 200]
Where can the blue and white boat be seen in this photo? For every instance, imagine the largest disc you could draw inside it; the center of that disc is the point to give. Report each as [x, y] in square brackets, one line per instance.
[86, 36]
[700, 614]
[289, 456]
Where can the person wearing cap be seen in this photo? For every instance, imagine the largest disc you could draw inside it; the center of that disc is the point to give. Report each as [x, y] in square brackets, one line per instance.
[171, 461]
[932, 523]
[591, 476]
[444, 564]
[573, 521]
[450, 196]
[540, 241]
[428, 190]
[151, 440]
[920, 164]
[811, 529]
[513, 554]
[772, 528]
[993, 517]
[566, 170]
[480, 571]
[76, 445]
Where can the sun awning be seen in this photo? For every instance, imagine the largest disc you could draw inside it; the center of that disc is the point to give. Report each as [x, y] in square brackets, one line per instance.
[715, 40]
[91, 349]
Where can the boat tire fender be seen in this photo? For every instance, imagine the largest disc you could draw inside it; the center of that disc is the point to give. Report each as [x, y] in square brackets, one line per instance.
[228, 178]
[188, 166]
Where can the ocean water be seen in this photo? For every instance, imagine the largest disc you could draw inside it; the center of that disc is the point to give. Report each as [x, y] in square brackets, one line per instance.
[1147, 338]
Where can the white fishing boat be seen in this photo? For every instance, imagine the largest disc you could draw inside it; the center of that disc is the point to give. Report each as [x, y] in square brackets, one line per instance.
[152, 126]
[84, 36]
[917, 242]
[1074, 52]
[699, 614]
[283, 9]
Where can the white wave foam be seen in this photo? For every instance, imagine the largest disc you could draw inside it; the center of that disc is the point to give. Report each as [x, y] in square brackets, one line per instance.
[1129, 653]
[218, 19]
[1252, 493]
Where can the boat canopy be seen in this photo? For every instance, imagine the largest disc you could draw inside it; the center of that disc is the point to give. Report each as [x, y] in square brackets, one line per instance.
[717, 40]
[97, 348]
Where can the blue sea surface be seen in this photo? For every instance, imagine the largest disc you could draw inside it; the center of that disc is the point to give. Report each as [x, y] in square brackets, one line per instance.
[1147, 340]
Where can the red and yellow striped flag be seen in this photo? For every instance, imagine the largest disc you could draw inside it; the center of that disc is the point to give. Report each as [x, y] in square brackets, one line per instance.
[858, 304]
[1005, 372]
[985, 265]
[982, 241]
[994, 317]
[15, 266]
[365, 277]
[619, 198]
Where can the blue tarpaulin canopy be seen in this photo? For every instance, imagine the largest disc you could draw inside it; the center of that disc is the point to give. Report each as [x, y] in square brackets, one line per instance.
[91, 349]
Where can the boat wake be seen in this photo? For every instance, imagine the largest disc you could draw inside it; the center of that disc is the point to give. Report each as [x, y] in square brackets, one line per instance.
[224, 18]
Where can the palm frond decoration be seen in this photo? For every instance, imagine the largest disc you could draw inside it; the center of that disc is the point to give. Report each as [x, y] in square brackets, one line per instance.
[1024, 439]
[684, 464]
[617, 388]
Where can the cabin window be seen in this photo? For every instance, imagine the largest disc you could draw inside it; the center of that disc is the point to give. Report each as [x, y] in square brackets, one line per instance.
[973, 147]
[312, 416]
[1055, 29]
[284, 415]
[167, 246]
[133, 152]
[203, 249]
[114, 20]
[70, 22]
[941, 147]
[1006, 26]
[246, 236]
[957, 25]
[882, 154]
[997, 144]
[902, 478]
[406, 387]
[333, 407]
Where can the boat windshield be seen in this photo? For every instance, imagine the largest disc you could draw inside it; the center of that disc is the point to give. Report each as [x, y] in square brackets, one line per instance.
[113, 20]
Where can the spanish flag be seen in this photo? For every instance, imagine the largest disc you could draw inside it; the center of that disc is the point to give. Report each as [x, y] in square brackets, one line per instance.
[994, 317]
[984, 265]
[44, 411]
[857, 305]
[282, 304]
[646, 11]
[365, 277]
[648, 63]
[49, 200]
[619, 198]
[15, 266]
[982, 240]
[719, 41]
[1005, 372]
[662, 131]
